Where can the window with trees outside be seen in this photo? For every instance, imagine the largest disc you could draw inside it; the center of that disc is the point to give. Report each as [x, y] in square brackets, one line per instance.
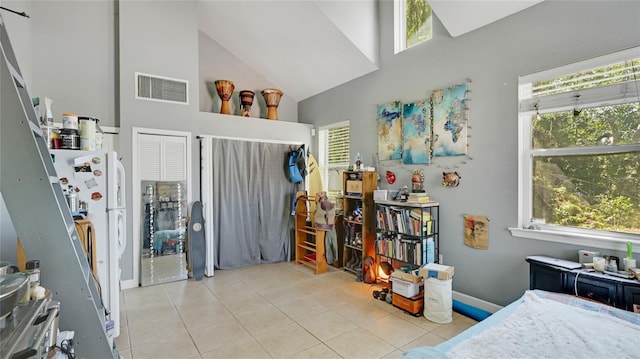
[333, 156]
[412, 23]
[579, 158]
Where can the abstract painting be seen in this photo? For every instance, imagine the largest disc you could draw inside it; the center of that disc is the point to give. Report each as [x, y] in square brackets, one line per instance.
[450, 115]
[389, 131]
[416, 133]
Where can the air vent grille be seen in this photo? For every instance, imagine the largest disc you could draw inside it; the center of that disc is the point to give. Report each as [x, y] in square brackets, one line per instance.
[157, 88]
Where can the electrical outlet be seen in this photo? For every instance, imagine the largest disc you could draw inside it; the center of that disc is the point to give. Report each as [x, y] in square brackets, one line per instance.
[440, 259]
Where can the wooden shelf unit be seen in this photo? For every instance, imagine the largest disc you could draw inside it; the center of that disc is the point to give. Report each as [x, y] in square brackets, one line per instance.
[310, 248]
[358, 193]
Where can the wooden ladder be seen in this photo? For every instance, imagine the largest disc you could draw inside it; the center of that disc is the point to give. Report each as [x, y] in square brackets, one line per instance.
[310, 247]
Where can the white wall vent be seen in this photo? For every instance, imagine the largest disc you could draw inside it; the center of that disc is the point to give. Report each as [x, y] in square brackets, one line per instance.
[164, 89]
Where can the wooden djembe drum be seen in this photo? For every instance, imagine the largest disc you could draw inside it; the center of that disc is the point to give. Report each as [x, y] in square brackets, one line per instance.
[246, 99]
[272, 98]
[225, 91]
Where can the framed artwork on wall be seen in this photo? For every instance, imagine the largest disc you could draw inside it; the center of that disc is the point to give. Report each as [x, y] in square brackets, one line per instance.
[450, 115]
[476, 231]
[416, 133]
[389, 122]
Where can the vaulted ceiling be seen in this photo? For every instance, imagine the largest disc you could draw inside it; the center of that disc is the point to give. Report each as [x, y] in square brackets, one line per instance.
[307, 47]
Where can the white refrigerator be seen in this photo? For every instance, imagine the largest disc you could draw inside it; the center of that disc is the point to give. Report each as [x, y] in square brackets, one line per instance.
[95, 182]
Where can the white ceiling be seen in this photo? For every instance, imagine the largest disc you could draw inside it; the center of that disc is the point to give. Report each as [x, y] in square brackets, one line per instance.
[307, 47]
[462, 16]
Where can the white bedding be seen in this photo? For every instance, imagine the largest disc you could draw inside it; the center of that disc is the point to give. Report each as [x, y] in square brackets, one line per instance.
[542, 328]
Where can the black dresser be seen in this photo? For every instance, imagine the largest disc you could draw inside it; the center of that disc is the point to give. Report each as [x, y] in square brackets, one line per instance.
[617, 292]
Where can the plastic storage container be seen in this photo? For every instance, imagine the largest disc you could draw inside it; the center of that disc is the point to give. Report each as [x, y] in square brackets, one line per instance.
[404, 288]
[32, 268]
[69, 139]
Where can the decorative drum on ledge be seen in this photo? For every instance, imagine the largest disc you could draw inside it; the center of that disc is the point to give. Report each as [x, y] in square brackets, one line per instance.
[272, 98]
[246, 99]
[225, 91]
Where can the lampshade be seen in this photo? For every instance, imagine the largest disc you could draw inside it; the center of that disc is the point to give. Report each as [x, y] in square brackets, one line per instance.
[384, 271]
[386, 268]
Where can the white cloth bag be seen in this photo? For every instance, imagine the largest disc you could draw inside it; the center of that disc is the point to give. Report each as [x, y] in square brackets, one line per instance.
[438, 301]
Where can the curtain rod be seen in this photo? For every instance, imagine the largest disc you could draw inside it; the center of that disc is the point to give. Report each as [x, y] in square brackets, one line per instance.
[285, 142]
[15, 12]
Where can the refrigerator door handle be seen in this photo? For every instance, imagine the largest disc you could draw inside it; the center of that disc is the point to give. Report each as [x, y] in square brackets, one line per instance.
[120, 201]
[121, 231]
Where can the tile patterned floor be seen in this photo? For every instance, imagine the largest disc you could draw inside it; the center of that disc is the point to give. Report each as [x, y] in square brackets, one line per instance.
[277, 310]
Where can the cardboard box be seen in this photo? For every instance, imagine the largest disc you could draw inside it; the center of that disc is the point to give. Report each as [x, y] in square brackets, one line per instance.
[439, 271]
[407, 277]
[413, 305]
[404, 288]
[354, 186]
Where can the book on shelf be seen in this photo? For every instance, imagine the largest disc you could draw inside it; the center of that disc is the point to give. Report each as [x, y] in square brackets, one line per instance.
[419, 198]
[417, 213]
[429, 253]
[416, 252]
[412, 222]
[429, 227]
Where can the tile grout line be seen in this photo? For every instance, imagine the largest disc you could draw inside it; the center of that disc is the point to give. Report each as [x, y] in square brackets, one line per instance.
[181, 320]
[239, 322]
[336, 284]
[298, 324]
[320, 341]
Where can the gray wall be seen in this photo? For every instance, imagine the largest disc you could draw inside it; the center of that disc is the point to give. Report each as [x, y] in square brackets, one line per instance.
[66, 52]
[73, 61]
[159, 38]
[83, 55]
[549, 34]
[162, 38]
[19, 27]
[216, 63]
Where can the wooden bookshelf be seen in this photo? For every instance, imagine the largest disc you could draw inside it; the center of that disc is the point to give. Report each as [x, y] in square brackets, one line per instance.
[359, 231]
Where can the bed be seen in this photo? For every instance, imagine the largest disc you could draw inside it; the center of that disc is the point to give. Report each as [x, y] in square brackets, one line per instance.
[543, 324]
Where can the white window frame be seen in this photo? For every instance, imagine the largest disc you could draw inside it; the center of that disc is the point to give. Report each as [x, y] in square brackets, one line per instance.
[323, 152]
[400, 26]
[528, 106]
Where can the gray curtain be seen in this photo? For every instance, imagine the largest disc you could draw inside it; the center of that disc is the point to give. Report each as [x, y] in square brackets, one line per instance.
[251, 203]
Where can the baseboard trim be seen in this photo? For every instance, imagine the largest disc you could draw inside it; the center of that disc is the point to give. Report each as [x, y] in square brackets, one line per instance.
[128, 284]
[476, 302]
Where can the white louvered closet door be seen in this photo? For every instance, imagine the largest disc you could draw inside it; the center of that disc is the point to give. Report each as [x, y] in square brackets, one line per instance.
[174, 152]
[162, 158]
